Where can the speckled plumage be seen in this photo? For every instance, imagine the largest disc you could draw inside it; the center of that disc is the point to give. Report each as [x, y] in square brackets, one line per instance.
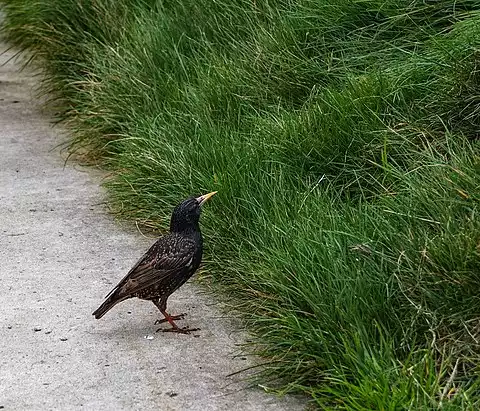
[167, 265]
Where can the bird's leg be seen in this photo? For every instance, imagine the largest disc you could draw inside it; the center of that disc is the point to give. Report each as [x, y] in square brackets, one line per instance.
[172, 317]
[175, 328]
[162, 307]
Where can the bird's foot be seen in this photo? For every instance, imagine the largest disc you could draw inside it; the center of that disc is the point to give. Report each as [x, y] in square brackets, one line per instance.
[184, 330]
[172, 317]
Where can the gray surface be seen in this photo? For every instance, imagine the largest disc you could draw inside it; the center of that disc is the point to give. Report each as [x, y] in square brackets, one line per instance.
[60, 254]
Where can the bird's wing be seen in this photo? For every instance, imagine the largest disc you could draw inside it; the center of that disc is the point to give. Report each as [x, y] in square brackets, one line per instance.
[167, 256]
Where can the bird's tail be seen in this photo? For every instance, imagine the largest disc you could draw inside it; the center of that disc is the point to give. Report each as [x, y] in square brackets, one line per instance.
[109, 303]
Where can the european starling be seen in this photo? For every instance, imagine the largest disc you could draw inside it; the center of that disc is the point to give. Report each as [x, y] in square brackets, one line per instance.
[166, 266]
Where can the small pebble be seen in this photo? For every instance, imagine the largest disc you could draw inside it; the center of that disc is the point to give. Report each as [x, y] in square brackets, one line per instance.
[48, 331]
[148, 337]
[37, 329]
[9, 327]
[63, 338]
[171, 393]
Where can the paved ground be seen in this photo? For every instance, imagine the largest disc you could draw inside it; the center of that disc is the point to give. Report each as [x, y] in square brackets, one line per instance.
[60, 253]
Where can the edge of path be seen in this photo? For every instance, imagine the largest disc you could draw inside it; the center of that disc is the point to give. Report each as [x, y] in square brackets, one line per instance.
[61, 254]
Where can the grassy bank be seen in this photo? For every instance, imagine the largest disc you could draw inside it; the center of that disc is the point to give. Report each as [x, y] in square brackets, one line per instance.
[343, 138]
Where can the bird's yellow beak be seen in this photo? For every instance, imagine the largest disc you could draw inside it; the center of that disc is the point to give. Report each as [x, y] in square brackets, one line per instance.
[205, 197]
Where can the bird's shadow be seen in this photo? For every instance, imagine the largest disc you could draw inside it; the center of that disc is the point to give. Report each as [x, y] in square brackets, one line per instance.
[129, 326]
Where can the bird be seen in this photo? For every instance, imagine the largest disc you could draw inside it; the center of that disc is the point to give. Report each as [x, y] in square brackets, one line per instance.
[166, 266]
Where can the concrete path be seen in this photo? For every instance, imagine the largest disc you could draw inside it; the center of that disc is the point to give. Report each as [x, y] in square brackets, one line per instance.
[60, 253]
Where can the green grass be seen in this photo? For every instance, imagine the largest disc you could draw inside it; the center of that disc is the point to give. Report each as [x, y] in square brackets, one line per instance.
[343, 138]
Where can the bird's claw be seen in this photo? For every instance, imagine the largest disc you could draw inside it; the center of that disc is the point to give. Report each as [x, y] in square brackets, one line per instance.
[184, 330]
[172, 317]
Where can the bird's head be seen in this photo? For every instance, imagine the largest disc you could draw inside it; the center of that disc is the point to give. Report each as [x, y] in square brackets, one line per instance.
[186, 215]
